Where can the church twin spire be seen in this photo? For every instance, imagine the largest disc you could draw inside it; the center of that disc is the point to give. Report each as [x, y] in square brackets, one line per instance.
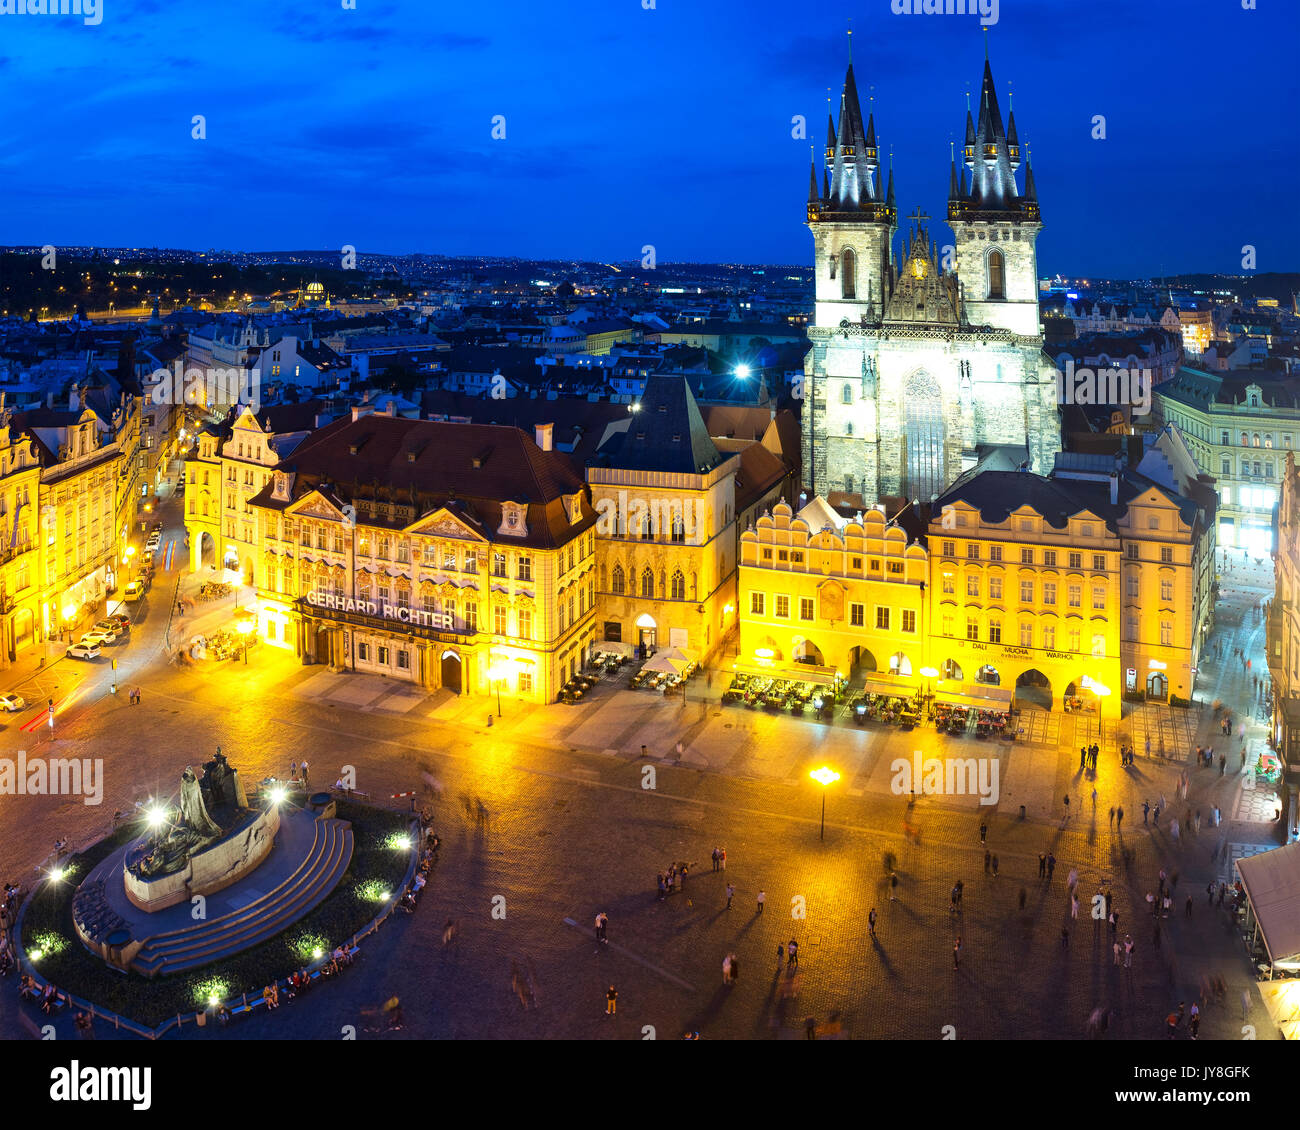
[851, 182]
[991, 155]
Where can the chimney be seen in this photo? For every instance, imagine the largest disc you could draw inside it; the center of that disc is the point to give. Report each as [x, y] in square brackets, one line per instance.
[544, 436]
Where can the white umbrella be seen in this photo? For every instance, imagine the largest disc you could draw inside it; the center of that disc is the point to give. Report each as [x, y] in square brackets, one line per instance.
[668, 662]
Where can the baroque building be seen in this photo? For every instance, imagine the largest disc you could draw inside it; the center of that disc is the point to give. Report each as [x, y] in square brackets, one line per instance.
[921, 358]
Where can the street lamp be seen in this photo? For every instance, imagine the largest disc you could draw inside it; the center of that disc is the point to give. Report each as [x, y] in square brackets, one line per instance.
[929, 673]
[825, 777]
[246, 628]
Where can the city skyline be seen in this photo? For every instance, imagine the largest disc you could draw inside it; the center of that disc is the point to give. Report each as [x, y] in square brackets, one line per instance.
[620, 156]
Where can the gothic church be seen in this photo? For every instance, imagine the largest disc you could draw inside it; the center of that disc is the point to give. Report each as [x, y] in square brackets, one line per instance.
[918, 368]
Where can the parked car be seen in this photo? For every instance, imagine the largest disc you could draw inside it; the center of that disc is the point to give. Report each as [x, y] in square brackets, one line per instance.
[96, 639]
[121, 619]
[12, 702]
[82, 651]
[110, 628]
[134, 591]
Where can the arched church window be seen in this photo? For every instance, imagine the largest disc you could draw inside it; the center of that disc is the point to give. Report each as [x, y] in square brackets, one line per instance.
[846, 393]
[616, 581]
[997, 275]
[679, 585]
[647, 583]
[848, 274]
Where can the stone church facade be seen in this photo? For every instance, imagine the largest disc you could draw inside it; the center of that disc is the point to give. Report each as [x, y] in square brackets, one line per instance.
[922, 361]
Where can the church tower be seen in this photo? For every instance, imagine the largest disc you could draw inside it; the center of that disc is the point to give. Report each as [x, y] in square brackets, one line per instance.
[852, 220]
[995, 227]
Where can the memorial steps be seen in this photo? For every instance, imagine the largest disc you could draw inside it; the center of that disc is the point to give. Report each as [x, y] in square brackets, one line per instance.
[205, 942]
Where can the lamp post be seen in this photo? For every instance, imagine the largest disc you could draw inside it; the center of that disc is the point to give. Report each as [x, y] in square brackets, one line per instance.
[825, 777]
[246, 628]
[928, 673]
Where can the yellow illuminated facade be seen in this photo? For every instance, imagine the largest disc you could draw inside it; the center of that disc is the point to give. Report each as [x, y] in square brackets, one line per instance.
[818, 592]
[20, 566]
[430, 599]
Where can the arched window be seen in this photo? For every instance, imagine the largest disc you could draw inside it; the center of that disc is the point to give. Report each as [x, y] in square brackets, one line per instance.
[1256, 444]
[1268, 441]
[848, 274]
[1254, 400]
[679, 586]
[997, 275]
[647, 583]
[679, 526]
[616, 581]
[846, 393]
[1245, 440]
[647, 528]
[848, 428]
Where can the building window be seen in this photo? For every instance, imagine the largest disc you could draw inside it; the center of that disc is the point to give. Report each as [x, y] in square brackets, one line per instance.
[895, 567]
[525, 682]
[1026, 592]
[995, 588]
[525, 625]
[909, 620]
[756, 603]
[1099, 562]
[499, 619]
[1049, 558]
[1026, 557]
[383, 656]
[1049, 592]
[526, 568]
[846, 393]
[995, 631]
[972, 627]
[1098, 597]
[882, 619]
[972, 584]
[997, 272]
[1076, 560]
[995, 553]
[949, 585]
[1132, 583]
[1076, 596]
[1166, 555]
[805, 608]
[647, 583]
[498, 564]
[782, 606]
[363, 652]
[848, 274]
[679, 586]
[1026, 634]
[1099, 647]
[972, 551]
[403, 660]
[471, 617]
[857, 562]
[950, 549]
[1132, 550]
[947, 623]
[1049, 637]
[1166, 590]
[616, 581]
[1167, 632]
[1072, 639]
[855, 615]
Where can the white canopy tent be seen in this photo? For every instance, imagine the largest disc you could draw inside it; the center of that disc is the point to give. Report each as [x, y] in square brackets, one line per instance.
[1272, 883]
[670, 661]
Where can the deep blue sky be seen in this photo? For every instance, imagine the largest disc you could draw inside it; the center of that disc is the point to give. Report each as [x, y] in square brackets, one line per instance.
[626, 126]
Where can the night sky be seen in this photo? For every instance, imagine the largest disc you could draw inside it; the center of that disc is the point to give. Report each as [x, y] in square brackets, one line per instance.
[627, 127]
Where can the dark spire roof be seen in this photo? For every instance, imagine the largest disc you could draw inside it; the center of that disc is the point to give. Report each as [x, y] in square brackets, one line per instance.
[830, 140]
[1011, 129]
[855, 183]
[952, 183]
[667, 433]
[1031, 193]
[813, 195]
[992, 158]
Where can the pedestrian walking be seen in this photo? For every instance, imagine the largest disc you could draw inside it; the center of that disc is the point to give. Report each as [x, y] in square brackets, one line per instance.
[714, 857]
[780, 954]
[1115, 950]
[956, 953]
[1042, 865]
[1197, 825]
[893, 887]
[1065, 938]
[1094, 798]
[1209, 894]
[731, 893]
[952, 901]
[1074, 907]
[988, 858]
[722, 858]
[1119, 818]
[1223, 764]
[1083, 757]
[793, 950]
[1189, 906]
[611, 1001]
[1022, 898]
[1245, 1003]
[984, 832]
[1155, 817]
[1113, 919]
[1067, 806]
[726, 970]
[871, 922]
[762, 898]
[1173, 830]
[1051, 866]
[995, 867]
[293, 770]
[1151, 902]
[1128, 951]
[1112, 816]
[1146, 810]
[961, 888]
[1072, 880]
